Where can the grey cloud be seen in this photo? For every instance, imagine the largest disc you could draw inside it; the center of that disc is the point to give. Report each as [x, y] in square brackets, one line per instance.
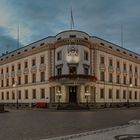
[101, 18]
[7, 43]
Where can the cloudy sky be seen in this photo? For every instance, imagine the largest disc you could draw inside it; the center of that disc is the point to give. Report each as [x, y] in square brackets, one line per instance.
[41, 18]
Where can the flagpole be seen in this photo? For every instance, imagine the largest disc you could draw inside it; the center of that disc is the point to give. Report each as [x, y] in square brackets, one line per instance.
[71, 20]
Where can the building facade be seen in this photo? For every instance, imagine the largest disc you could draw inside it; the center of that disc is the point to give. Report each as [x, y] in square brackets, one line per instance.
[71, 67]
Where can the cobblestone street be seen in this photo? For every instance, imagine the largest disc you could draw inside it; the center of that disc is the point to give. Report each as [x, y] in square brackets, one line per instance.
[43, 124]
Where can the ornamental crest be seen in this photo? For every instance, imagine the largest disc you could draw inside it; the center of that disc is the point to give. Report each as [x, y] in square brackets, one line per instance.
[72, 51]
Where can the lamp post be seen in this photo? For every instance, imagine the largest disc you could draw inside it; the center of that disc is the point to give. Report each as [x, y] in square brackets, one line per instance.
[16, 92]
[87, 94]
[129, 85]
[58, 94]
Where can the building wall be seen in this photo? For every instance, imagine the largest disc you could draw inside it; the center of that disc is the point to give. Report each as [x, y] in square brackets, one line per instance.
[83, 42]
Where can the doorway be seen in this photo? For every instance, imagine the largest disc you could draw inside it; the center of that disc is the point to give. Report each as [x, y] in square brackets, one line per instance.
[72, 94]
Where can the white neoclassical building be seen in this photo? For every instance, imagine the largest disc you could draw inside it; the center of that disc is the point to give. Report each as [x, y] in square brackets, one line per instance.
[70, 68]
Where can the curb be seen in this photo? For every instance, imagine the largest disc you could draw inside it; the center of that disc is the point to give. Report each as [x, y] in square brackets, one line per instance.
[130, 123]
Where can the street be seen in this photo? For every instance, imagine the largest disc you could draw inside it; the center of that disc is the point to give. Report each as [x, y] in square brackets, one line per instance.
[42, 124]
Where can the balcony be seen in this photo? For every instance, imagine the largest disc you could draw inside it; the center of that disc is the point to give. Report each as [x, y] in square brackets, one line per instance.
[136, 74]
[19, 72]
[125, 72]
[12, 74]
[1, 76]
[102, 67]
[33, 69]
[73, 77]
[110, 69]
[42, 67]
[118, 70]
[130, 73]
[26, 70]
[6, 75]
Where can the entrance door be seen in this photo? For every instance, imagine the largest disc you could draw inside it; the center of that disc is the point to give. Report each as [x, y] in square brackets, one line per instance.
[72, 94]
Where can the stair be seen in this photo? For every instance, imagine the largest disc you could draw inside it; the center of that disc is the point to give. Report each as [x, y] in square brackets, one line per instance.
[72, 106]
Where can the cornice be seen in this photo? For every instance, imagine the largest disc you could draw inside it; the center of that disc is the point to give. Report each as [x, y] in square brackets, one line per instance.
[72, 41]
[116, 53]
[25, 54]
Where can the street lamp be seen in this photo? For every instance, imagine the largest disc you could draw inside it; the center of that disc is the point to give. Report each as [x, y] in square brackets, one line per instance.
[16, 92]
[58, 94]
[87, 94]
[129, 85]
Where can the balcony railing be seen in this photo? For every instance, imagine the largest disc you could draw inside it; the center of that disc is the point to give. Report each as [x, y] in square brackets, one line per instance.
[12, 74]
[26, 70]
[42, 67]
[118, 70]
[19, 72]
[102, 66]
[66, 77]
[110, 68]
[33, 68]
[1, 76]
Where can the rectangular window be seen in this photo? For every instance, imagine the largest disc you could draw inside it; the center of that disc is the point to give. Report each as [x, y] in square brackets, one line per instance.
[117, 94]
[19, 94]
[26, 79]
[136, 69]
[13, 95]
[13, 81]
[2, 95]
[34, 93]
[7, 95]
[19, 80]
[33, 62]
[130, 80]
[85, 55]
[136, 81]
[124, 79]
[110, 94]
[130, 94]
[2, 71]
[59, 71]
[102, 60]
[101, 93]
[130, 68]
[135, 95]
[13, 68]
[118, 64]
[118, 79]
[42, 60]
[59, 55]
[42, 93]
[7, 82]
[86, 71]
[7, 70]
[33, 78]
[124, 66]
[110, 77]
[102, 76]
[26, 94]
[19, 66]
[42, 75]
[124, 94]
[26, 64]
[2, 83]
[72, 70]
[110, 62]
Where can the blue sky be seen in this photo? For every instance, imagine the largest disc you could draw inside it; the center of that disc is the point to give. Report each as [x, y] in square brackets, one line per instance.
[41, 18]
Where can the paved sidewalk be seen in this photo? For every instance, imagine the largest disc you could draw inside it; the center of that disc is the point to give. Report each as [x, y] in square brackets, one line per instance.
[129, 131]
